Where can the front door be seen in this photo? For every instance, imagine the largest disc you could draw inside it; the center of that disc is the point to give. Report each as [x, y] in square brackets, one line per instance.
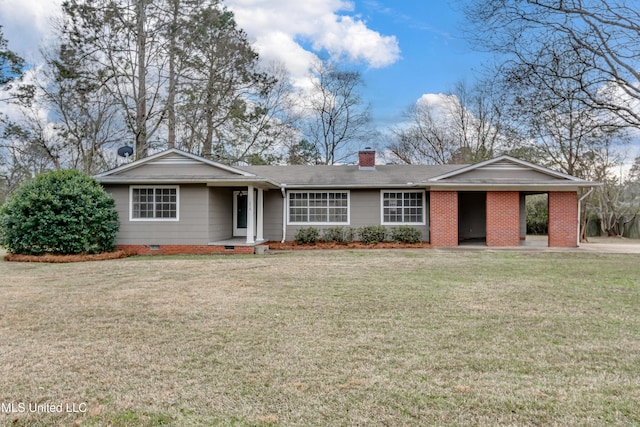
[239, 213]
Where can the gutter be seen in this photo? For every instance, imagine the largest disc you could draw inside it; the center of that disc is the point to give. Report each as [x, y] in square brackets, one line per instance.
[579, 211]
[284, 211]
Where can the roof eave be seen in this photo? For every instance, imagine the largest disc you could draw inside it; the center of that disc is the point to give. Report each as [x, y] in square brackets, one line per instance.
[224, 182]
[558, 186]
[352, 186]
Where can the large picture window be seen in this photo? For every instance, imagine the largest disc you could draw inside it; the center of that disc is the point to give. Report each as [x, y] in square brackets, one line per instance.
[319, 207]
[403, 207]
[154, 203]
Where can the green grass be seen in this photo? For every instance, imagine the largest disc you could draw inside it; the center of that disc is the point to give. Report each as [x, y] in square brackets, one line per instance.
[416, 337]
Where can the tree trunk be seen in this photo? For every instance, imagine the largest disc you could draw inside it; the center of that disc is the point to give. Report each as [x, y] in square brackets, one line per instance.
[142, 149]
[171, 107]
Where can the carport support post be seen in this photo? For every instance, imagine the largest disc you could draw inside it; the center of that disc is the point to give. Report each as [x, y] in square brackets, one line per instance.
[443, 218]
[563, 217]
[503, 218]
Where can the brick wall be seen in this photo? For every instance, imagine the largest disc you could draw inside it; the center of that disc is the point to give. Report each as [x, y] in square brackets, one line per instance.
[503, 218]
[185, 249]
[563, 219]
[443, 210]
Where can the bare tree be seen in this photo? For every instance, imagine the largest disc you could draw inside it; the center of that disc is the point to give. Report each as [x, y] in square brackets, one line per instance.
[469, 125]
[565, 132]
[569, 135]
[426, 139]
[84, 115]
[337, 116]
[602, 35]
[268, 126]
[124, 41]
[29, 146]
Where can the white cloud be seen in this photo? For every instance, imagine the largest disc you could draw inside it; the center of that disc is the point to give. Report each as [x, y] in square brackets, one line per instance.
[277, 27]
[441, 107]
[26, 24]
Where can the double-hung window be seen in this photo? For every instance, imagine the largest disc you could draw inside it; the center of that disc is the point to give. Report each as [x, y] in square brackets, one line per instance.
[319, 207]
[403, 207]
[154, 203]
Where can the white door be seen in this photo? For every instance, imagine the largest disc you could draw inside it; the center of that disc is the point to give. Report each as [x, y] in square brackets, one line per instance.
[239, 213]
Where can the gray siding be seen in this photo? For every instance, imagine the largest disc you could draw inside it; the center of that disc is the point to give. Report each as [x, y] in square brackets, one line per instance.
[220, 214]
[191, 229]
[206, 215]
[365, 209]
[273, 215]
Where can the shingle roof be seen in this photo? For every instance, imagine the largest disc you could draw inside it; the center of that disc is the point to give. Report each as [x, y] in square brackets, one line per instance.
[350, 175]
[504, 172]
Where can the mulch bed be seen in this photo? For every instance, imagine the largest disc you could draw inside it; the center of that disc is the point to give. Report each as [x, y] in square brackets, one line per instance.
[289, 246]
[66, 258]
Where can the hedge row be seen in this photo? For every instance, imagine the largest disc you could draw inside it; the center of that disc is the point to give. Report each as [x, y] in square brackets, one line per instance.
[370, 234]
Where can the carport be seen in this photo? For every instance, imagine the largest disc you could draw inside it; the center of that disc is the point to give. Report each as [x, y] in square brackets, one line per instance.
[485, 204]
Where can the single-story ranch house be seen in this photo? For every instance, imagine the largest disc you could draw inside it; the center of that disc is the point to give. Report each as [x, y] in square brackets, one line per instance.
[176, 202]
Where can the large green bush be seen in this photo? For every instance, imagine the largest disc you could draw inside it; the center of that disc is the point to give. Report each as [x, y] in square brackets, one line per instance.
[62, 212]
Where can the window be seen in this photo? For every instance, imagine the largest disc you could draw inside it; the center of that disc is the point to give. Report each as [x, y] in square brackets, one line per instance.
[403, 207]
[319, 207]
[154, 203]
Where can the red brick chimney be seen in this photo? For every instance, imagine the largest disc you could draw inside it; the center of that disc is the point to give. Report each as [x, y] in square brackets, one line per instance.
[367, 158]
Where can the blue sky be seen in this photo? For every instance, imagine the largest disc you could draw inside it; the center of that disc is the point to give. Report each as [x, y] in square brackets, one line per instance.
[404, 48]
[434, 55]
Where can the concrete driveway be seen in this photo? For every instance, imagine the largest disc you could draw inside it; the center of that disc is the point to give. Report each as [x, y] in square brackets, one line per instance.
[611, 245]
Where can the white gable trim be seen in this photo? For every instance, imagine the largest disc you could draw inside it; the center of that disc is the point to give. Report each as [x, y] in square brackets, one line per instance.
[487, 165]
[158, 158]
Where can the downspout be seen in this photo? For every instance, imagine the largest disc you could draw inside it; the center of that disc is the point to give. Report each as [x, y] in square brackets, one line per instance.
[284, 212]
[579, 209]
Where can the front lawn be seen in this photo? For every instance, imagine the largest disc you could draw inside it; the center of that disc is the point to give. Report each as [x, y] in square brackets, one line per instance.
[377, 337]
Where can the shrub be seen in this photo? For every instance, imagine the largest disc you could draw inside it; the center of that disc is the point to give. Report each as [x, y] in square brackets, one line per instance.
[373, 234]
[307, 236]
[406, 234]
[62, 212]
[338, 234]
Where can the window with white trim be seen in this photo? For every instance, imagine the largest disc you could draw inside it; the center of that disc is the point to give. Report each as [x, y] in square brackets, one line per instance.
[154, 203]
[318, 207]
[403, 207]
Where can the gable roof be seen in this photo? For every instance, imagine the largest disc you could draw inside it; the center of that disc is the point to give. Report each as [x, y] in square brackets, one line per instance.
[172, 156]
[175, 166]
[506, 172]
